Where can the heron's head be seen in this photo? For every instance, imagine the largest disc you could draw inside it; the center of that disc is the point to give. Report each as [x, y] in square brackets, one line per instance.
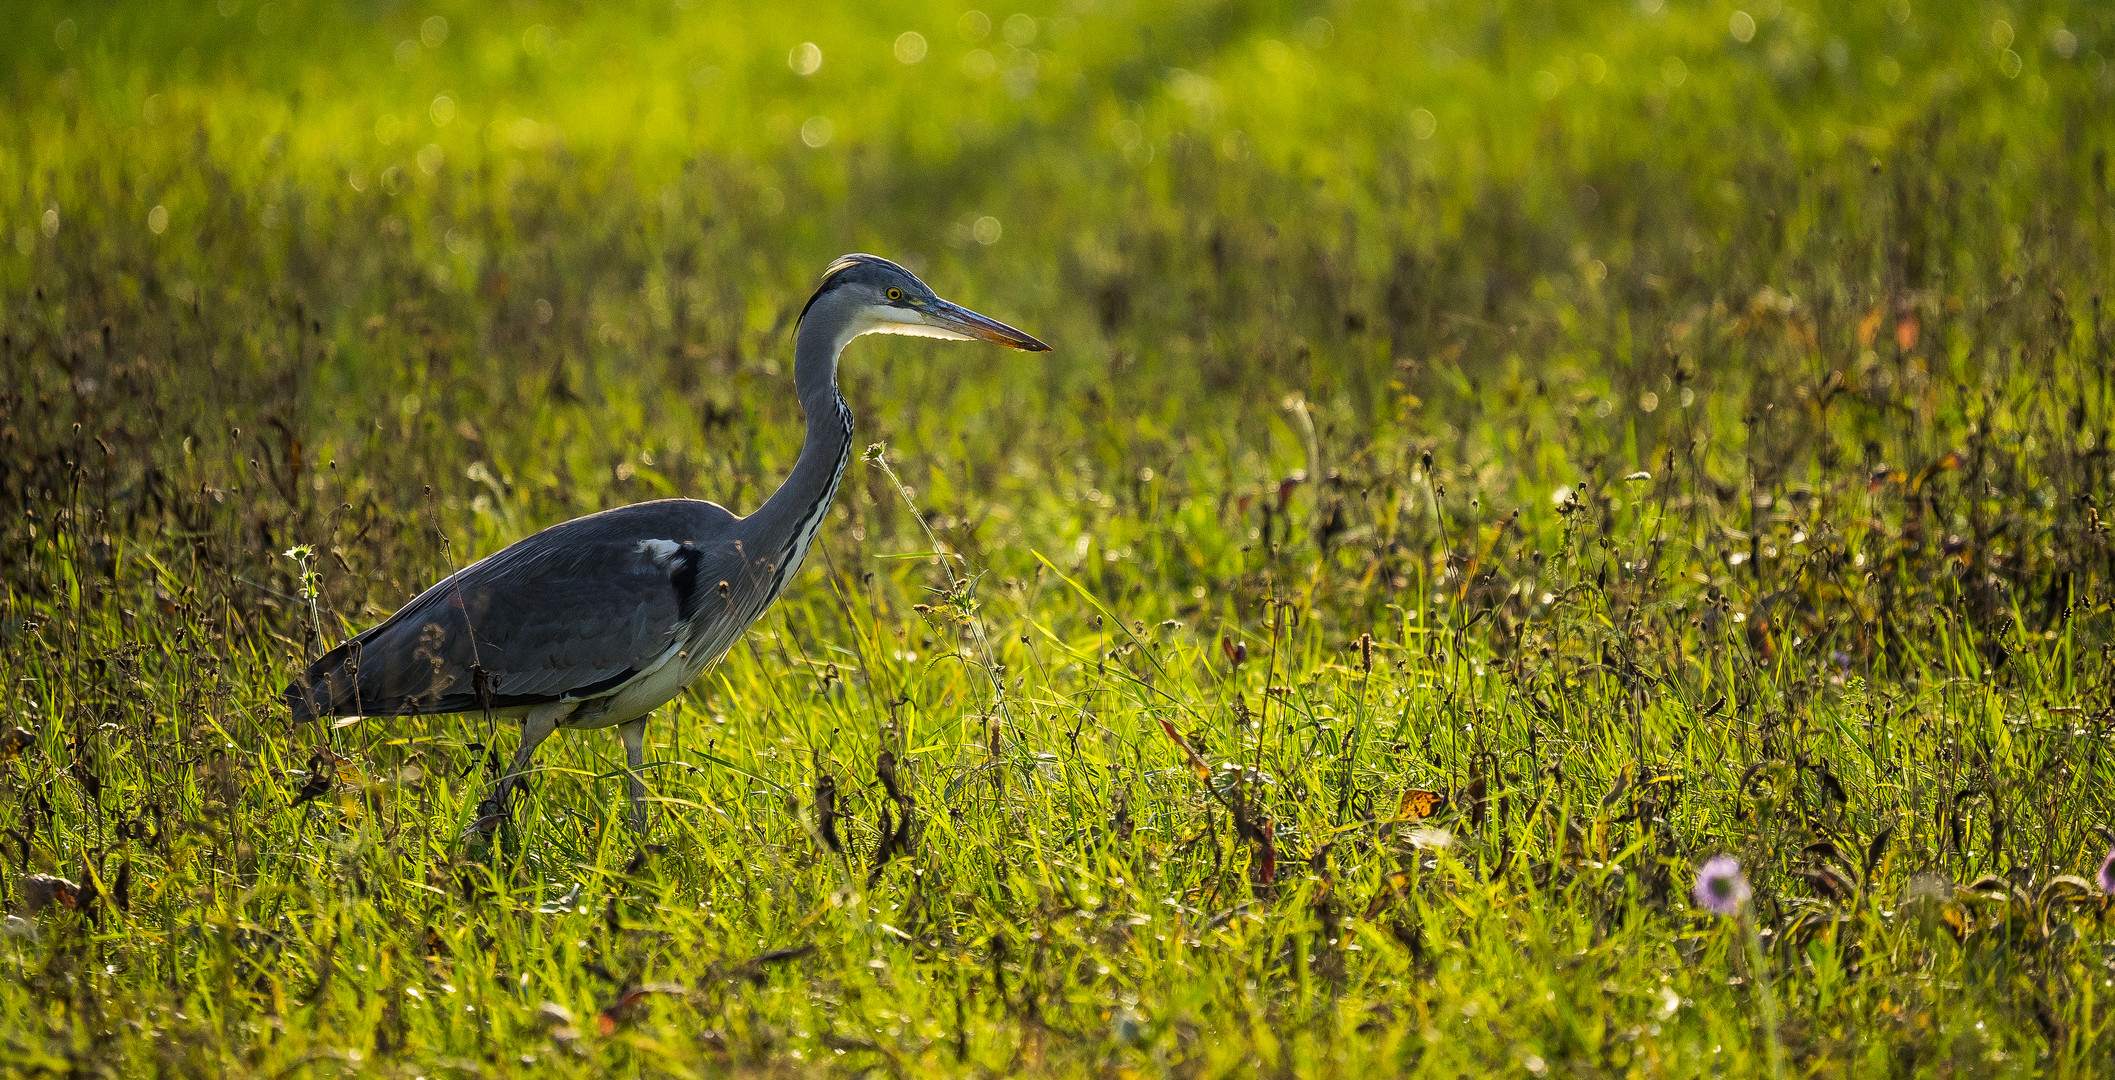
[867, 294]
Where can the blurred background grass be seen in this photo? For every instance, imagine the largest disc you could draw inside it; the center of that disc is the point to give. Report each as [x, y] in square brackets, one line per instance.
[1685, 398]
[1381, 207]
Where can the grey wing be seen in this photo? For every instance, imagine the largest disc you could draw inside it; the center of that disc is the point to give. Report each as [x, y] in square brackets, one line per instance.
[574, 611]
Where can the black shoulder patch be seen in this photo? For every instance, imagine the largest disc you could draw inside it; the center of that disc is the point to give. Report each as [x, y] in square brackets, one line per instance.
[683, 577]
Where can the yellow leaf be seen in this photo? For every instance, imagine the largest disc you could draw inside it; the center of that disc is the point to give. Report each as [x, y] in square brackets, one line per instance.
[1417, 804]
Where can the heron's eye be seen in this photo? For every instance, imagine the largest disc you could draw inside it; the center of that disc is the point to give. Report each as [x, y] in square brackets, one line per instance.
[895, 294]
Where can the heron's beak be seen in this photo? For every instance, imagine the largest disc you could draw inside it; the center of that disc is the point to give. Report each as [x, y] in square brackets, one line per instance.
[949, 316]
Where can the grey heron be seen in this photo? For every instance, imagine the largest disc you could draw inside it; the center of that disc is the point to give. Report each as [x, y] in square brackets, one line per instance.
[600, 620]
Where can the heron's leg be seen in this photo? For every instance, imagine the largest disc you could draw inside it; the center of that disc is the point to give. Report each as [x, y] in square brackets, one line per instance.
[535, 728]
[634, 733]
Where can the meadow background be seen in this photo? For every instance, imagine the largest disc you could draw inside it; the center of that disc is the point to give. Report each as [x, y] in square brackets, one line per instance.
[1655, 430]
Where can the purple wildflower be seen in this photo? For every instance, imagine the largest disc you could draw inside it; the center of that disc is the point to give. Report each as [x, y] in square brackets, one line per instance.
[1720, 887]
[2107, 873]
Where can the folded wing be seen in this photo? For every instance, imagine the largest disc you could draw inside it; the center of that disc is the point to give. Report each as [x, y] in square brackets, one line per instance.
[572, 612]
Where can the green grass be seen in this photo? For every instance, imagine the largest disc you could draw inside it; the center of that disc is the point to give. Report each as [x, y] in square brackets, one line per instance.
[1661, 444]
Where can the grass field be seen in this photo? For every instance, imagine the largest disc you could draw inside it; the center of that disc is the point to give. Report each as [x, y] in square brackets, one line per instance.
[1496, 458]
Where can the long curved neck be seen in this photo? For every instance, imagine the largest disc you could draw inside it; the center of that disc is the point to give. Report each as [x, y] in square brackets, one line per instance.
[787, 521]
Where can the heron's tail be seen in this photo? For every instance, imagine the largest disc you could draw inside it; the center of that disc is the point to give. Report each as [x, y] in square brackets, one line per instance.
[330, 686]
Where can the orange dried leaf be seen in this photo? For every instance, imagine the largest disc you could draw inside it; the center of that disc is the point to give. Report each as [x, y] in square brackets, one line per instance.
[1189, 753]
[621, 1009]
[1869, 327]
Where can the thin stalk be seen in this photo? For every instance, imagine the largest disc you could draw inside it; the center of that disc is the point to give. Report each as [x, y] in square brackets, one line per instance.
[1757, 970]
